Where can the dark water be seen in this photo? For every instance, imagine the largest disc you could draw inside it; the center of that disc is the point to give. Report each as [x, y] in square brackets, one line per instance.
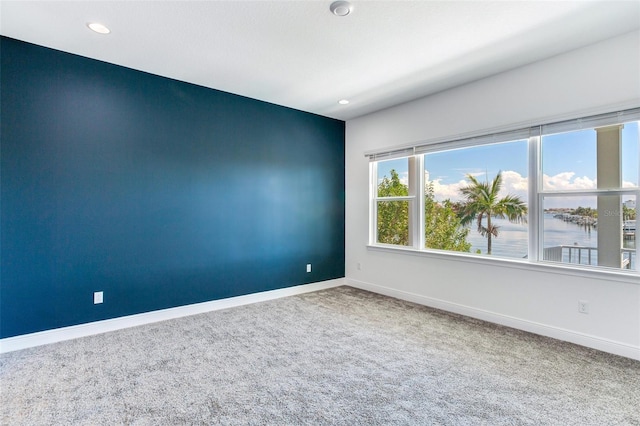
[512, 238]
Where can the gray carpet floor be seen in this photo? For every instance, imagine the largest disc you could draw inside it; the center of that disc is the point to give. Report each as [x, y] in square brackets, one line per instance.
[335, 357]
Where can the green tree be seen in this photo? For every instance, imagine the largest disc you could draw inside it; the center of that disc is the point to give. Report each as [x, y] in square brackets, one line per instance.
[443, 229]
[481, 200]
[628, 213]
[585, 211]
[393, 216]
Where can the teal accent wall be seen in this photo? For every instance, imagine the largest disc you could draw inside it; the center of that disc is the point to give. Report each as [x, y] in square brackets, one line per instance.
[158, 192]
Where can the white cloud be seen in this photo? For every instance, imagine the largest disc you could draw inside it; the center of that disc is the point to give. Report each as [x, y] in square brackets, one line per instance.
[512, 184]
[566, 181]
[404, 178]
[447, 191]
[516, 184]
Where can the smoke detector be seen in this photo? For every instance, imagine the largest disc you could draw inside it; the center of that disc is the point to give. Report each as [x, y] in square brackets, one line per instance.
[341, 8]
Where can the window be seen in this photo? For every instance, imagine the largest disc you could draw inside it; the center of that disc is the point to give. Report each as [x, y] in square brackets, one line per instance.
[589, 180]
[395, 201]
[564, 193]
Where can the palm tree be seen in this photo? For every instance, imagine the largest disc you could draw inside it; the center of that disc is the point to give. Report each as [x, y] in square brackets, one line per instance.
[481, 200]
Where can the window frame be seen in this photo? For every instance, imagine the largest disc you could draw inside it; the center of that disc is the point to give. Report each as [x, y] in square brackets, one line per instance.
[535, 197]
[415, 199]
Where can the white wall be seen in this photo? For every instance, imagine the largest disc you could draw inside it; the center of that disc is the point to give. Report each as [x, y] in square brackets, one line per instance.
[594, 79]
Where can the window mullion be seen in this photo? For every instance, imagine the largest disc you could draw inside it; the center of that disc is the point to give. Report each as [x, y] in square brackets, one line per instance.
[638, 216]
[414, 222]
[398, 198]
[535, 199]
[373, 203]
[420, 200]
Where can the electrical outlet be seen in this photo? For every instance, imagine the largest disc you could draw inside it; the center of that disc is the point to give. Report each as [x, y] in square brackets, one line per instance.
[358, 266]
[308, 267]
[583, 306]
[98, 297]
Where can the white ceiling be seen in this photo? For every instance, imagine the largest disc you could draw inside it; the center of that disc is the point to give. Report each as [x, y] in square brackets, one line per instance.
[298, 54]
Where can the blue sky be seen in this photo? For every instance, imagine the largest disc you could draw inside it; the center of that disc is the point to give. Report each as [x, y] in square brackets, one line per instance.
[569, 162]
[452, 166]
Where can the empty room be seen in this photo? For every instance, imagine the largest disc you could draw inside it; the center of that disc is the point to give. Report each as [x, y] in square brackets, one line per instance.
[319, 212]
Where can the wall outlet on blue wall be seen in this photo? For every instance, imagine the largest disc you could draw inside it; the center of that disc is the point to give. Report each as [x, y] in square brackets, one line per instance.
[308, 267]
[98, 297]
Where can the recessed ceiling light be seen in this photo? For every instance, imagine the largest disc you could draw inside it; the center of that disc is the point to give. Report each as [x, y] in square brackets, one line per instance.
[341, 8]
[343, 101]
[99, 28]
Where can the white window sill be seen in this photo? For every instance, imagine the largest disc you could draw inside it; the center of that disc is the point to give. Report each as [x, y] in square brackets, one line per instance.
[622, 275]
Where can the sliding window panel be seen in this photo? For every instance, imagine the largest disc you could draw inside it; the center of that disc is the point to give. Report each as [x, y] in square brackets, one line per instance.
[578, 230]
[630, 155]
[393, 222]
[604, 157]
[569, 161]
[393, 178]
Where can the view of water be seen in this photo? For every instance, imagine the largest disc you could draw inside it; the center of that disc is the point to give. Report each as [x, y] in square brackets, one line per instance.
[512, 238]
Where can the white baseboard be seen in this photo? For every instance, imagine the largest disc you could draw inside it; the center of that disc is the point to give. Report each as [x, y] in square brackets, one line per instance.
[73, 332]
[582, 339]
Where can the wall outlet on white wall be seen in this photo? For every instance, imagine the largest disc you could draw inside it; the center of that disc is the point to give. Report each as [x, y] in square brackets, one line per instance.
[583, 306]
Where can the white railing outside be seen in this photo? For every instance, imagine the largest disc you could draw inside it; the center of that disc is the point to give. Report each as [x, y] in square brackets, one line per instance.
[584, 255]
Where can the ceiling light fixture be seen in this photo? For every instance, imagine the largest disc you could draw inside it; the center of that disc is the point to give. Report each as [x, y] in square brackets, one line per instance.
[341, 8]
[343, 102]
[99, 28]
